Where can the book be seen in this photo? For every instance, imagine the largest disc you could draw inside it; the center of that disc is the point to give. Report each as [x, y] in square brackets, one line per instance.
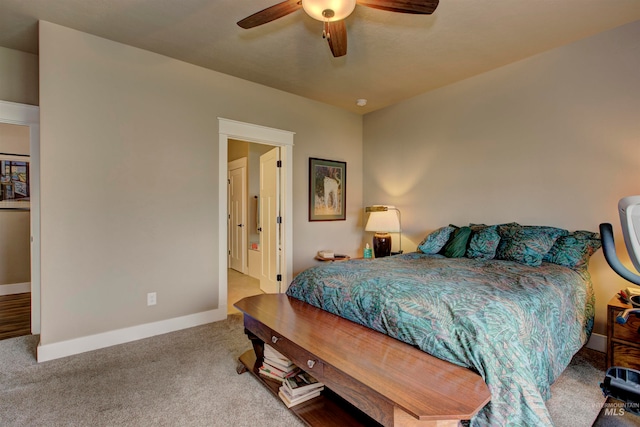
[302, 383]
[289, 403]
[278, 364]
[285, 390]
[274, 354]
[266, 368]
[275, 365]
[276, 358]
[268, 374]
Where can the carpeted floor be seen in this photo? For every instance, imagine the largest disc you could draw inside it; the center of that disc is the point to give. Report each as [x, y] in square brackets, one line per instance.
[188, 378]
[185, 378]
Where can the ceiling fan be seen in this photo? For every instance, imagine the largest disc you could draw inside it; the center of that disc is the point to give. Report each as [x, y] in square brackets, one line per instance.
[333, 13]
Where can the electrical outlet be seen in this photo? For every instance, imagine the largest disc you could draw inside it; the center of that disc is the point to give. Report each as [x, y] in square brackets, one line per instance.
[151, 298]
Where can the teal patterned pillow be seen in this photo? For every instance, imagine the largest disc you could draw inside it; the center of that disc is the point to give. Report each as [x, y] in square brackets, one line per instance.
[527, 244]
[435, 241]
[456, 247]
[484, 241]
[574, 250]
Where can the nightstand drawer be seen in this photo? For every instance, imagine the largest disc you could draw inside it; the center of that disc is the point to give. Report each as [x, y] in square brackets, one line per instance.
[626, 356]
[629, 330]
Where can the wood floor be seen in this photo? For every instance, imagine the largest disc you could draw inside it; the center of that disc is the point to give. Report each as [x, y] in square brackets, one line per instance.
[15, 315]
[239, 286]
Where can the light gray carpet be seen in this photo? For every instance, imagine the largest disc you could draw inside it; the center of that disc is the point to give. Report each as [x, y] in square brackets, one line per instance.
[576, 396]
[188, 378]
[185, 378]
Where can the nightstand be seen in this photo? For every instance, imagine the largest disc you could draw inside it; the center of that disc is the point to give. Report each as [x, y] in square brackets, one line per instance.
[623, 341]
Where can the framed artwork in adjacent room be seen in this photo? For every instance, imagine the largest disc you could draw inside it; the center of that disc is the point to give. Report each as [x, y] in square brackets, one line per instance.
[327, 190]
[15, 190]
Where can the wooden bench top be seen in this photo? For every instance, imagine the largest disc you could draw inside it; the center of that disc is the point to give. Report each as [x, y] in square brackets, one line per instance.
[423, 386]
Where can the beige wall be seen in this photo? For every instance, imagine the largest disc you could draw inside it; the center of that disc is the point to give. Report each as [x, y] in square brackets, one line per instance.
[14, 139]
[554, 139]
[18, 76]
[237, 150]
[15, 255]
[129, 167]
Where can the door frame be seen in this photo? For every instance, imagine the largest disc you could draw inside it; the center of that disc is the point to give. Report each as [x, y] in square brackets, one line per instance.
[232, 129]
[29, 115]
[240, 163]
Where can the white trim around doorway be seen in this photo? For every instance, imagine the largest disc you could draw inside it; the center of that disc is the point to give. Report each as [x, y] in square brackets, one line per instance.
[231, 129]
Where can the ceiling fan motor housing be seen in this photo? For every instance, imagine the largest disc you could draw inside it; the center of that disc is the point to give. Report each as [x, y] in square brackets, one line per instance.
[328, 10]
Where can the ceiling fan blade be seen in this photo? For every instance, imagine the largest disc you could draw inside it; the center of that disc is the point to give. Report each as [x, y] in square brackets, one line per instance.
[423, 7]
[270, 14]
[336, 33]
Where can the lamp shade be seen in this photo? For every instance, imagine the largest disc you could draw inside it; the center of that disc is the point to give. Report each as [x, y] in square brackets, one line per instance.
[384, 220]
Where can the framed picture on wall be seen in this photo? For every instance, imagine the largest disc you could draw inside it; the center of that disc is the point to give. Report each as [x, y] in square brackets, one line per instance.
[327, 190]
[15, 191]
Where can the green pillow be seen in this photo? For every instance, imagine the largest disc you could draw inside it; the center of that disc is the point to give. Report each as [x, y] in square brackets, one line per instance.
[456, 247]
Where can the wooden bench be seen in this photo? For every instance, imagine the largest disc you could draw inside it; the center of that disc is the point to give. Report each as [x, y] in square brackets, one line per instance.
[393, 383]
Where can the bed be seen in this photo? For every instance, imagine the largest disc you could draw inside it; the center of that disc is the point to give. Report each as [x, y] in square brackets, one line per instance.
[515, 307]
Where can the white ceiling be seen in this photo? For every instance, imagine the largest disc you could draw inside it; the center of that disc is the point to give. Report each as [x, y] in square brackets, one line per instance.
[391, 56]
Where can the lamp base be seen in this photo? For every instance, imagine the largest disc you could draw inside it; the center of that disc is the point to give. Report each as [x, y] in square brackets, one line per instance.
[381, 244]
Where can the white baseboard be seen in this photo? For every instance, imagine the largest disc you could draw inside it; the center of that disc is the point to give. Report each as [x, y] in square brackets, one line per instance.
[57, 350]
[597, 342]
[15, 288]
[46, 352]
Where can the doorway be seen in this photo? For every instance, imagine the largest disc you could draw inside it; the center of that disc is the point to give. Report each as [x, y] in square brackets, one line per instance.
[15, 232]
[256, 134]
[29, 116]
[254, 204]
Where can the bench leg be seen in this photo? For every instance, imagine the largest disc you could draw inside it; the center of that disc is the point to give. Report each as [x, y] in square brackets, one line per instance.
[258, 348]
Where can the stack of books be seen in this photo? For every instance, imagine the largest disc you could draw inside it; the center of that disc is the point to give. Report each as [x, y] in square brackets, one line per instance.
[299, 388]
[276, 366]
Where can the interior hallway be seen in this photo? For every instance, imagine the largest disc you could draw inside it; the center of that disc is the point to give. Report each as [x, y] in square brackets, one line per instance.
[15, 315]
[240, 286]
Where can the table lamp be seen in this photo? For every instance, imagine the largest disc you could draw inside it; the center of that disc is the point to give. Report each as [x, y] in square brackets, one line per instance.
[382, 221]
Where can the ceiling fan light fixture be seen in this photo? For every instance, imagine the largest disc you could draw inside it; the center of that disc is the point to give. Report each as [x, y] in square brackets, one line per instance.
[328, 10]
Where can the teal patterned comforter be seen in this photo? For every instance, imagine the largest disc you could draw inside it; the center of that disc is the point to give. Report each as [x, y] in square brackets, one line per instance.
[517, 326]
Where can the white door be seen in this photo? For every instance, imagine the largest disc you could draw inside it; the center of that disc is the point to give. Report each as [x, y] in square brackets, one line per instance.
[269, 227]
[237, 215]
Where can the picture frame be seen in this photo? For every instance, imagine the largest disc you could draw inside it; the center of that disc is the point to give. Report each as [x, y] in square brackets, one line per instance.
[15, 188]
[327, 190]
